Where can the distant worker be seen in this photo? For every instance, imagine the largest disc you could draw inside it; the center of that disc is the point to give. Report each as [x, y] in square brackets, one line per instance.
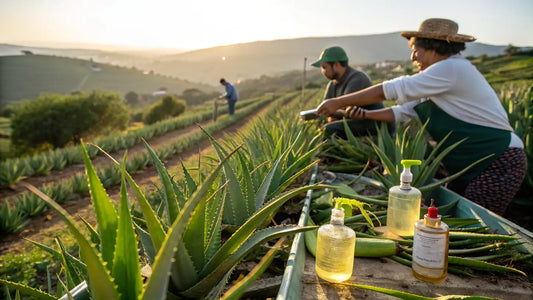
[230, 95]
[344, 80]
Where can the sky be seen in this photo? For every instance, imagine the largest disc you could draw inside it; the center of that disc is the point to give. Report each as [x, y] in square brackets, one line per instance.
[195, 24]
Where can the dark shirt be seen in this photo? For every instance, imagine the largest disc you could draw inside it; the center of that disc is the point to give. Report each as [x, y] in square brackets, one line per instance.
[351, 81]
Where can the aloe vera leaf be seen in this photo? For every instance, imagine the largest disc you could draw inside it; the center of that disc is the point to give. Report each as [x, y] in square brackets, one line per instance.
[34, 293]
[95, 237]
[100, 283]
[106, 215]
[126, 267]
[259, 237]
[284, 186]
[262, 193]
[146, 241]
[237, 210]
[155, 228]
[482, 265]
[170, 196]
[443, 209]
[214, 224]
[72, 266]
[250, 226]
[157, 284]
[237, 290]
[248, 184]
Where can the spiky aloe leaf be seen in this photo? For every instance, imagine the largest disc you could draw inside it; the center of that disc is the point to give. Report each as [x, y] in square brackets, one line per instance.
[126, 268]
[155, 228]
[146, 241]
[95, 237]
[244, 232]
[262, 193]
[259, 237]
[100, 284]
[157, 284]
[74, 268]
[34, 293]
[106, 214]
[237, 290]
[214, 213]
[237, 210]
[171, 200]
[409, 296]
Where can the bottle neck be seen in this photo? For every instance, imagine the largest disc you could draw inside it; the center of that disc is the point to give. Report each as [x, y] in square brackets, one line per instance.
[337, 217]
[337, 220]
[405, 185]
[430, 222]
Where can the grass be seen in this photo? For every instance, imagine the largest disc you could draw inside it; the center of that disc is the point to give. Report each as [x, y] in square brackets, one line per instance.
[504, 69]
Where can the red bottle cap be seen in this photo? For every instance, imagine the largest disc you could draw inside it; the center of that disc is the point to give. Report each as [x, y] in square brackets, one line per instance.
[433, 211]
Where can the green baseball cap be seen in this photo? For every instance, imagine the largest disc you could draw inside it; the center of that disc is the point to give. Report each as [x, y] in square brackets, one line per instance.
[331, 54]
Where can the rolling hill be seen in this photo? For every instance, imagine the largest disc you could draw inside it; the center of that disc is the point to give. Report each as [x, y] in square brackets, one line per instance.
[251, 60]
[26, 76]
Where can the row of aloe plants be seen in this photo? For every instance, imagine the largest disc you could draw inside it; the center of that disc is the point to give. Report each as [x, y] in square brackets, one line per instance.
[14, 170]
[518, 102]
[247, 186]
[15, 216]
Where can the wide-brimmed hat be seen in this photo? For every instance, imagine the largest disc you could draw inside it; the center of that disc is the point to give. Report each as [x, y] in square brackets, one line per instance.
[439, 29]
[331, 54]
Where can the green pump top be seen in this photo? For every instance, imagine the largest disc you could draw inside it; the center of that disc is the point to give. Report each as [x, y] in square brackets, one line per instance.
[407, 176]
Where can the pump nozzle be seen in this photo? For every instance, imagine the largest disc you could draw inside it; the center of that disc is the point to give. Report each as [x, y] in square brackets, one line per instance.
[406, 175]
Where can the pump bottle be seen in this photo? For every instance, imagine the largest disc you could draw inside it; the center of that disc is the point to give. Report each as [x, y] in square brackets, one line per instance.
[335, 249]
[430, 247]
[404, 203]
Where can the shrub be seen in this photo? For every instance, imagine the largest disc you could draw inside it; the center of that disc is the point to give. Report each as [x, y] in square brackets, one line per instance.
[60, 119]
[167, 107]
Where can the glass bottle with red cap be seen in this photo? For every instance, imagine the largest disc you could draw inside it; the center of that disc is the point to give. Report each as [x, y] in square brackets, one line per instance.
[430, 247]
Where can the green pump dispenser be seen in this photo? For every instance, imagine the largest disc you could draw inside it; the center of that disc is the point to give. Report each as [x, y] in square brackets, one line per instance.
[404, 202]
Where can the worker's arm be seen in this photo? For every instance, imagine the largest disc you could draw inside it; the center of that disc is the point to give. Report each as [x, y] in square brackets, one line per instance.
[370, 95]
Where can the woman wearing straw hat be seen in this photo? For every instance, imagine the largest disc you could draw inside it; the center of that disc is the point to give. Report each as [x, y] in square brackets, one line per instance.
[451, 95]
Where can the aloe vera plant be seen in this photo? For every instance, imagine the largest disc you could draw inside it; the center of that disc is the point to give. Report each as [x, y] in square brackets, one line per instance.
[408, 146]
[190, 249]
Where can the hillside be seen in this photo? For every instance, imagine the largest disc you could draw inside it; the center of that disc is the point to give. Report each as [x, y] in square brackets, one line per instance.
[251, 60]
[26, 76]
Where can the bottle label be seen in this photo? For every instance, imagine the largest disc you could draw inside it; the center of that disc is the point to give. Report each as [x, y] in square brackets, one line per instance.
[429, 250]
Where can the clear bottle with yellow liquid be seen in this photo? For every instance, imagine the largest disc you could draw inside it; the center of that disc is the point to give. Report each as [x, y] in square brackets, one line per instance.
[335, 248]
[403, 209]
[430, 247]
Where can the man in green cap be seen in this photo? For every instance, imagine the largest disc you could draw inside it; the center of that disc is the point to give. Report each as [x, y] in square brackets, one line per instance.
[344, 80]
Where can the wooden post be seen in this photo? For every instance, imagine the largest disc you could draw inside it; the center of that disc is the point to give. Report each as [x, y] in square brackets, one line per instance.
[303, 81]
[215, 111]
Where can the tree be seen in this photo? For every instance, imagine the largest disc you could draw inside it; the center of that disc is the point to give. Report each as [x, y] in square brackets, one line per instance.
[167, 107]
[511, 50]
[132, 98]
[57, 120]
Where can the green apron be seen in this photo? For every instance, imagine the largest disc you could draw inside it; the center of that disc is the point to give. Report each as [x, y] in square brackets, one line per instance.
[480, 142]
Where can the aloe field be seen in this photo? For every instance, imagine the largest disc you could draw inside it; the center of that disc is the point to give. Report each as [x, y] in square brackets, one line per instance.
[192, 208]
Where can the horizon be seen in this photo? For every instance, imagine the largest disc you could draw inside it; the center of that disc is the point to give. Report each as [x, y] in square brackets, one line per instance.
[162, 25]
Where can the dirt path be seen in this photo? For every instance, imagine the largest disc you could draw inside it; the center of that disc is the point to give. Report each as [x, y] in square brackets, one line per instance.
[44, 227]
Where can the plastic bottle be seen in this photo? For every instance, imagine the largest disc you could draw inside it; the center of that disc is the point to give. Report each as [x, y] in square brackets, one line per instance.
[430, 247]
[404, 203]
[335, 248]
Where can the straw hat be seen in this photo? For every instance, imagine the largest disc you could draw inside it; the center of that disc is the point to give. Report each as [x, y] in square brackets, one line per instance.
[439, 29]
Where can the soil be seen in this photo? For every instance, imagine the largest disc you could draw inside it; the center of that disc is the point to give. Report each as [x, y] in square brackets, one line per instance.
[44, 227]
